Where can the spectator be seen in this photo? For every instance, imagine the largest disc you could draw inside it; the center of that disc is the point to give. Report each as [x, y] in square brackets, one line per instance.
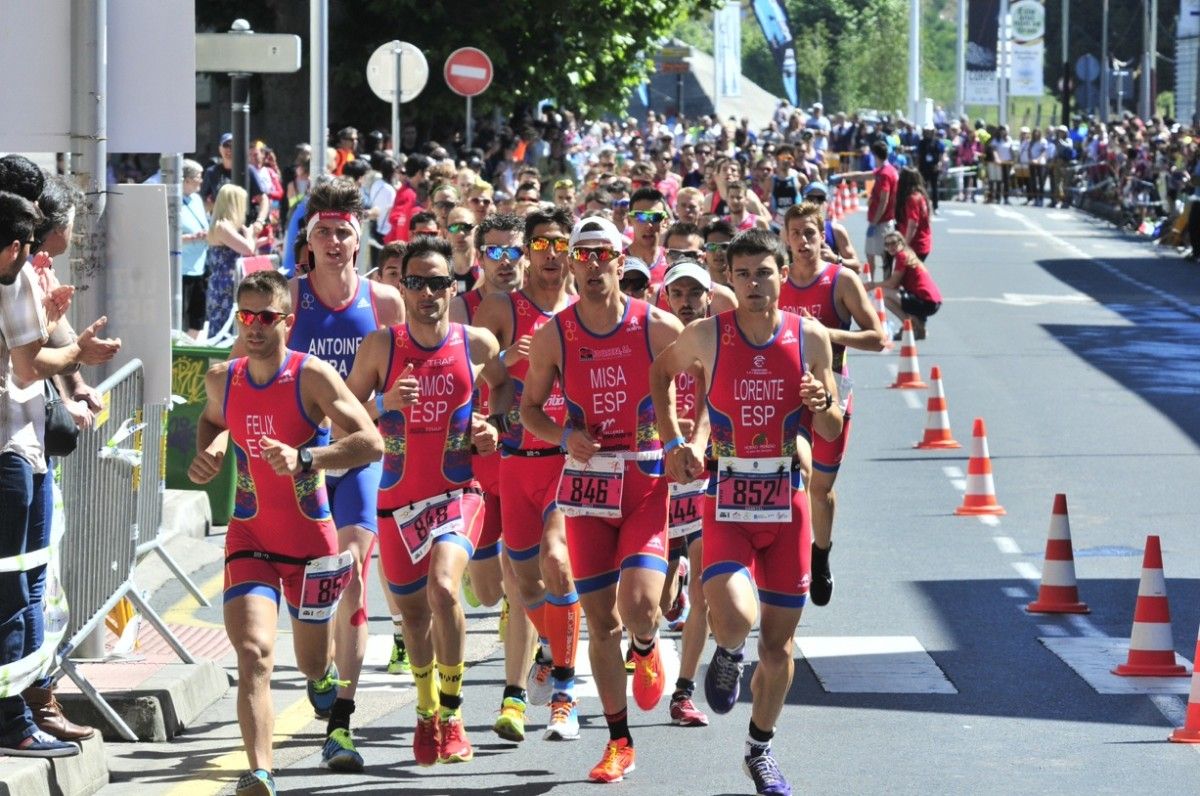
[193, 224]
[930, 152]
[347, 146]
[220, 173]
[912, 212]
[227, 241]
[910, 292]
[406, 203]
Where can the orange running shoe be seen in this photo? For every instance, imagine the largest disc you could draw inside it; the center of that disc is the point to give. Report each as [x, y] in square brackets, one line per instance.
[453, 747]
[648, 679]
[426, 740]
[616, 763]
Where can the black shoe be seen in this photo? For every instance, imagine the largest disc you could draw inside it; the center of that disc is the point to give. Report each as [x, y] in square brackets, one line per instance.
[821, 589]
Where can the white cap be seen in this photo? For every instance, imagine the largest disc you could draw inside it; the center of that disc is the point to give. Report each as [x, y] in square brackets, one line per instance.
[688, 269]
[637, 265]
[607, 232]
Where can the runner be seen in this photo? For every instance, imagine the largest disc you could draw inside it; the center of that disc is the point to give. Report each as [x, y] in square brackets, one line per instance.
[685, 242]
[431, 513]
[335, 309]
[717, 235]
[600, 351]
[763, 367]
[534, 533]
[690, 292]
[272, 401]
[648, 212]
[833, 295]
[838, 248]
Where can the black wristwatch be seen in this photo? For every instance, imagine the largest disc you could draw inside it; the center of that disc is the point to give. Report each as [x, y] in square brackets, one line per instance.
[305, 455]
[828, 405]
[499, 422]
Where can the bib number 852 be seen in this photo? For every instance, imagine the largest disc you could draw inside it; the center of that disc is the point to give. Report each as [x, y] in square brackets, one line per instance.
[753, 492]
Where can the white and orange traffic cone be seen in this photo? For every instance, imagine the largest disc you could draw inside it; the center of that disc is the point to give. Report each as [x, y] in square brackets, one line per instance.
[835, 207]
[1190, 731]
[937, 423]
[909, 376]
[1151, 645]
[881, 313]
[1058, 593]
[853, 198]
[980, 497]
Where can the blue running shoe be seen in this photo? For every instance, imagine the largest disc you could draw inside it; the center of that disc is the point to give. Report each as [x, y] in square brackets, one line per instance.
[255, 783]
[339, 753]
[768, 779]
[723, 680]
[323, 693]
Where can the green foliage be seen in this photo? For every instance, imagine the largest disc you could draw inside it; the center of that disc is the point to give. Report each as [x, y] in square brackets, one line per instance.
[813, 57]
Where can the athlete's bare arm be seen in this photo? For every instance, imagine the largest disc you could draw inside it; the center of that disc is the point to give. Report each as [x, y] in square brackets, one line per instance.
[692, 350]
[664, 330]
[818, 387]
[369, 372]
[723, 299]
[212, 435]
[846, 249]
[851, 297]
[389, 306]
[324, 394]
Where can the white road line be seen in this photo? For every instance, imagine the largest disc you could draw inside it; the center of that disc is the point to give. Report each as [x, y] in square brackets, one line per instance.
[873, 665]
[1084, 626]
[1027, 571]
[1016, 593]
[1093, 659]
[989, 520]
[913, 401]
[1007, 544]
[953, 472]
[959, 483]
[1051, 630]
[895, 369]
[963, 213]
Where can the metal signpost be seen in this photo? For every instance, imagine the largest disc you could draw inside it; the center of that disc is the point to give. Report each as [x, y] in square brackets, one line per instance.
[397, 63]
[468, 73]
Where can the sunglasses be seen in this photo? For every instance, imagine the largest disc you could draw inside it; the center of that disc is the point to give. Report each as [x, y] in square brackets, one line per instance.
[634, 285]
[480, 200]
[436, 284]
[267, 317]
[563, 184]
[460, 227]
[541, 244]
[620, 203]
[816, 197]
[683, 254]
[599, 255]
[716, 247]
[650, 216]
[638, 184]
[498, 253]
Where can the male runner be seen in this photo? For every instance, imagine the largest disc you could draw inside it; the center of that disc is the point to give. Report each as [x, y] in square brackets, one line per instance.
[683, 242]
[763, 367]
[335, 309]
[833, 295]
[281, 538]
[838, 248]
[648, 212]
[599, 352]
[717, 235]
[423, 375]
[534, 533]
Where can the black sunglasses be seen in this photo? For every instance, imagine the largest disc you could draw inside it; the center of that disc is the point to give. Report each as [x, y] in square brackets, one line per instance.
[436, 284]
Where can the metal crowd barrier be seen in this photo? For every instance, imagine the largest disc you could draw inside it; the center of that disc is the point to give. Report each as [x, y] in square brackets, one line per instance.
[107, 503]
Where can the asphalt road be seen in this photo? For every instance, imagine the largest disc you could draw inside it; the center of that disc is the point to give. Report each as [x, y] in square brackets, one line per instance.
[924, 675]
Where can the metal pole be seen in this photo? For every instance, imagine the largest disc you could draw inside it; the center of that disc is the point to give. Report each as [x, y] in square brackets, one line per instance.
[239, 108]
[318, 85]
[960, 58]
[1153, 55]
[1066, 62]
[399, 53]
[1105, 84]
[914, 59]
[1003, 61]
[1144, 84]
[470, 125]
[89, 155]
[172, 177]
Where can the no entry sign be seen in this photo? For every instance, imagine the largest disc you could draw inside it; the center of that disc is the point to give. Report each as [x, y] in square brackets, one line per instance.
[468, 71]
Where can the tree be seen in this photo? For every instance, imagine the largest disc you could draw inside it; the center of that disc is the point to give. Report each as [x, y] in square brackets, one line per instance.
[813, 56]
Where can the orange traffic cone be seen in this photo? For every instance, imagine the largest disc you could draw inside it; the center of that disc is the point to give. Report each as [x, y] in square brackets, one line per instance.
[1151, 645]
[937, 423]
[1190, 731]
[853, 198]
[835, 206]
[981, 491]
[909, 377]
[1058, 593]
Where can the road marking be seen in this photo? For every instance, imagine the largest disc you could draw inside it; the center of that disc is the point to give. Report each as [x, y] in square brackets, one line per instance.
[1084, 626]
[989, 520]
[1027, 571]
[1007, 544]
[1058, 215]
[959, 483]
[1093, 659]
[1016, 592]
[585, 684]
[1000, 233]
[895, 369]
[183, 612]
[873, 665]
[1051, 630]
[953, 472]
[1041, 299]
[962, 213]
[913, 400]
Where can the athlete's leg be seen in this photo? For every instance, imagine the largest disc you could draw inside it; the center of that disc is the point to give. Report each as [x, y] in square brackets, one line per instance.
[604, 647]
[823, 500]
[311, 642]
[732, 607]
[695, 632]
[773, 675]
[487, 578]
[350, 623]
[638, 594]
[398, 663]
[520, 636]
[447, 561]
[671, 586]
[250, 621]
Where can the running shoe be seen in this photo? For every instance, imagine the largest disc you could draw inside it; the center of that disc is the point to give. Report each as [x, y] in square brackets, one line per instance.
[399, 663]
[502, 628]
[685, 713]
[723, 680]
[618, 761]
[677, 615]
[453, 746]
[821, 589]
[629, 664]
[255, 783]
[426, 740]
[539, 684]
[339, 753]
[468, 592]
[323, 693]
[564, 720]
[510, 724]
[648, 679]
[768, 779]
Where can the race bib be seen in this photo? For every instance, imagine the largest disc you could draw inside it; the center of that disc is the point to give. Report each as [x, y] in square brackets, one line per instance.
[426, 520]
[754, 490]
[592, 488]
[686, 507]
[324, 579]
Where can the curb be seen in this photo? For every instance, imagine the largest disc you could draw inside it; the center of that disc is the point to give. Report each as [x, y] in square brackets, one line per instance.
[83, 774]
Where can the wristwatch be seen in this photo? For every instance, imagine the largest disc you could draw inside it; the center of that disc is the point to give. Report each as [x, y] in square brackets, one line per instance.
[828, 404]
[306, 460]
